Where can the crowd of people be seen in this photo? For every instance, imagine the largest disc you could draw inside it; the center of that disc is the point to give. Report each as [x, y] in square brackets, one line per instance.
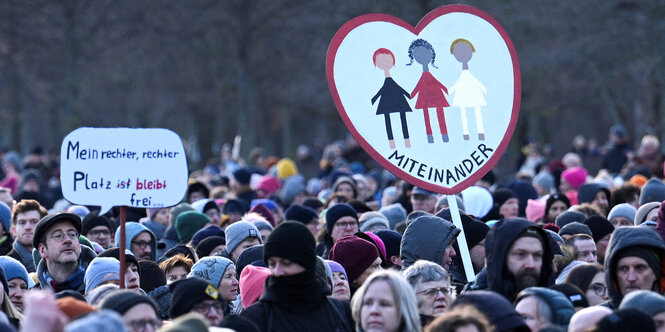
[330, 244]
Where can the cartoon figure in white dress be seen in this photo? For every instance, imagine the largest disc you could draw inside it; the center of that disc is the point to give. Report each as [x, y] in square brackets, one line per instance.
[468, 91]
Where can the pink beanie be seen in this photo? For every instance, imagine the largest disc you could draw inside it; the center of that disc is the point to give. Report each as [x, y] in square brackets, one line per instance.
[575, 176]
[252, 280]
[269, 184]
[535, 209]
[379, 243]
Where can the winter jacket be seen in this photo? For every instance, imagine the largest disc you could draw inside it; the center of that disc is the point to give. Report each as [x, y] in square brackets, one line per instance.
[427, 238]
[627, 237]
[497, 243]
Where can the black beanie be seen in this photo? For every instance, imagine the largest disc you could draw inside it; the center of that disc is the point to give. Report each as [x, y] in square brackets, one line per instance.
[247, 257]
[338, 211]
[599, 227]
[568, 217]
[630, 319]
[151, 276]
[92, 220]
[293, 241]
[501, 195]
[187, 292]
[123, 300]
[206, 246]
[556, 198]
[474, 231]
[646, 253]
[300, 213]
[392, 241]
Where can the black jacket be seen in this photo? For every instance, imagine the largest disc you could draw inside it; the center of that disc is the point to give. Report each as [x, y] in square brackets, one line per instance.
[498, 241]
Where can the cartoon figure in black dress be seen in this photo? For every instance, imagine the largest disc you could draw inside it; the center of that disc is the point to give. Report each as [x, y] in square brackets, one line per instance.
[429, 89]
[393, 97]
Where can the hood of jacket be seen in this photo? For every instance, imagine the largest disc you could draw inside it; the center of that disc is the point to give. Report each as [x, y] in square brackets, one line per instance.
[497, 243]
[427, 237]
[626, 237]
[132, 230]
[560, 306]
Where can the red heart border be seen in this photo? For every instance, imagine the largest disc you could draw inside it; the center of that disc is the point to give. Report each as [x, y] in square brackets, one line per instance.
[356, 22]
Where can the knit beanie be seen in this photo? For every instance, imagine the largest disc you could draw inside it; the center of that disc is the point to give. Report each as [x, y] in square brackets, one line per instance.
[238, 232]
[242, 175]
[188, 223]
[474, 231]
[562, 309]
[575, 176]
[347, 180]
[599, 227]
[392, 241]
[115, 253]
[191, 322]
[535, 209]
[643, 211]
[180, 248]
[286, 168]
[395, 213]
[337, 267]
[653, 191]
[252, 281]
[313, 203]
[377, 242]
[197, 186]
[206, 246]
[123, 300]
[235, 206]
[544, 180]
[354, 254]
[98, 295]
[291, 187]
[501, 195]
[74, 308]
[15, 269]
[268, 184]
[178, 209]
[622, 210]
[264, 211]
[205, 232]
[250, 256]
[293, 241]
[626, 320]
[301, 213]
[100, 321]
[262, 225]
[5, 216]
[336, 212]
[575, 228]
[100, 270]
[650, 302]
[588, 191]
[92, 220]
[568, 217]
[211, 269]
[204, 205]
[573, 293]
[369, 220]
[152, 276]
[187, 292]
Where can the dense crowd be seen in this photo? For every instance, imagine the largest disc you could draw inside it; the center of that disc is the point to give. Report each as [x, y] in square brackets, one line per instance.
[333, 243]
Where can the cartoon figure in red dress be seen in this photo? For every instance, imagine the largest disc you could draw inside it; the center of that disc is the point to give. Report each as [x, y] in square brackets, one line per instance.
[429, 90]
[393, 97]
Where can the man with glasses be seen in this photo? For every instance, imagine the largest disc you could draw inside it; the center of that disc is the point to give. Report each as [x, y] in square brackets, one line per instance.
[196, 295]
[64, 260]
[25, 216]
[139, 240]
[97, 229]
[138, 311]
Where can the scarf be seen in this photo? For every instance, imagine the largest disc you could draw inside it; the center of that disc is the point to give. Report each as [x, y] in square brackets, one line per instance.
[302, 289]
[74, 282]
[25, 255]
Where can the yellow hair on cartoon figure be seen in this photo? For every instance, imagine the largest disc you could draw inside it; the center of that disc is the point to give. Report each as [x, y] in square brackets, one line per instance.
[461, 40]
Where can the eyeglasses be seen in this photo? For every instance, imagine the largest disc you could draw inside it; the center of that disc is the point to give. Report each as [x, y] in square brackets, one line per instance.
[142, 244]
[99, 232]
[203, 307]
[599, 289]
[140, 325]
[432, 292]
[59, 236]
[346, 224]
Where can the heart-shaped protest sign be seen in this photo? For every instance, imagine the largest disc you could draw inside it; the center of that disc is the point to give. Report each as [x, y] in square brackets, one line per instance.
[436, 104]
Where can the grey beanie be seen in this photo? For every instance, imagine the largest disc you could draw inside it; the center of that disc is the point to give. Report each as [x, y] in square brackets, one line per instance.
[575, 228]
[622, 210]
[545, 180]
[443, 200]
[369, 220]
[211, 269]
[568, 217]
[238, 232]
[395, 213]
[100, 321]
[652, 191]
[643, 211]
[650, 302]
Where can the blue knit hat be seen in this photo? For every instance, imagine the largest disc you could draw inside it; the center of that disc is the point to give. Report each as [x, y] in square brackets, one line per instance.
[14, 269]
[211, 269]
[622, 210]
[100, 270]
[5, 216]
[238, 232]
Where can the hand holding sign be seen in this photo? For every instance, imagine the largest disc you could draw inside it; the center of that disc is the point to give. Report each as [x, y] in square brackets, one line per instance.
[143, 168]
